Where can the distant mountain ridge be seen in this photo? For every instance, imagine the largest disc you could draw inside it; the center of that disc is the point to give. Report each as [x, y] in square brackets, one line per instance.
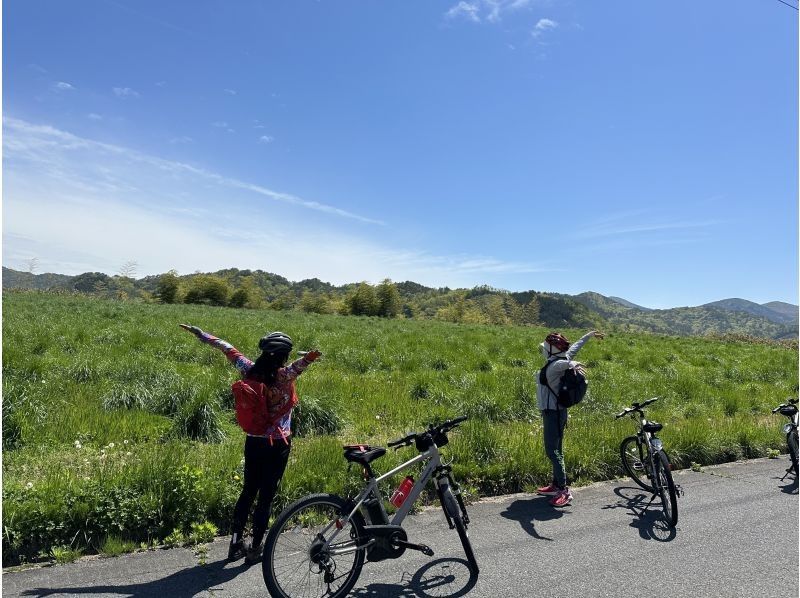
[776, 319]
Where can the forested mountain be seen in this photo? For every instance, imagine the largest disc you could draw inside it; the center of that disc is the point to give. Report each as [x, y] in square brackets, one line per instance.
[481, 305]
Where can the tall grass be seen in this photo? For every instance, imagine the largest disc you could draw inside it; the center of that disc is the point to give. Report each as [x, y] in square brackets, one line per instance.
[118, 425]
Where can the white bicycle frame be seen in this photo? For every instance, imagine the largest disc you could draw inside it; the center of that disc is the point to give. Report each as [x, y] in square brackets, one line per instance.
[432, 455]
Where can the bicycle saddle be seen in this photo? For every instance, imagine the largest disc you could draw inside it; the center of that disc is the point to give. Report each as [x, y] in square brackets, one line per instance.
[652, 427]
[362, 453]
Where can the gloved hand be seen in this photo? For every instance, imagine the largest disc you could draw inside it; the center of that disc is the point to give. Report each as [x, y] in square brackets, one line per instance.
[193, 329]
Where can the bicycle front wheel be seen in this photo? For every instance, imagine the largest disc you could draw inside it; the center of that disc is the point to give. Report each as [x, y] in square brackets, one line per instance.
[309, 551]
[666, 489]
[456, 512]
[791, 441]
[634, 455]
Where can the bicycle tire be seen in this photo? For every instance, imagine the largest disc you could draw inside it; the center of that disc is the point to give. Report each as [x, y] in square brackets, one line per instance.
[632, 454]
[791, 442]
[293, 575]
[451, 507]
[666, 489]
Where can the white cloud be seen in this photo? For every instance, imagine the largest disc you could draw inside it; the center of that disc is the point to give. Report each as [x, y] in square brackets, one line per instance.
[231, 92]
[490, 10]
[181, 139]
[467, 10]
[81, 205]
[220, 124]
[125, 92]
[63, 86]
[543, 25]
[94, 116]
[266, 139]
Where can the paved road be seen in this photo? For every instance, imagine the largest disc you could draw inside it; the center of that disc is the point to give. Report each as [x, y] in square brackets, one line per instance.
[737, 536]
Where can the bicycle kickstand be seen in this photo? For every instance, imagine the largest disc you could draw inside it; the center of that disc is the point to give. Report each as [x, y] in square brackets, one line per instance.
[647, 506]
[788, 471]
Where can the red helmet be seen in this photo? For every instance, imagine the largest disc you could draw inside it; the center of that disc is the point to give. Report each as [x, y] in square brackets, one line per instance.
[554, 339]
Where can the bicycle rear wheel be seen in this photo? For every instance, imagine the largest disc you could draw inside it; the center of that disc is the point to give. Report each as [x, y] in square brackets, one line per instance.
[666, 489]
[634, 461]
[456, 511]
[296, 563]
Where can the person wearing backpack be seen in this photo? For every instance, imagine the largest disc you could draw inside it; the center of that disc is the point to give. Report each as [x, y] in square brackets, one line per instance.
[266, 448]
[555, 392]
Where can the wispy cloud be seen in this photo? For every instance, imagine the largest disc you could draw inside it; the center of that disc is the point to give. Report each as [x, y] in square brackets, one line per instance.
[230, 92]
[63, 86]
[94, 116]
[467, 10]
[491, 11]
[181, 139]
[125, 92]
[266, 139]
[43, 143]
[79, 205]
[543, 25]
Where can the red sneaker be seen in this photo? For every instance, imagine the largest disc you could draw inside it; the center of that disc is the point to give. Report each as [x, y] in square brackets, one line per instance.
[549, 490]
[562, 499]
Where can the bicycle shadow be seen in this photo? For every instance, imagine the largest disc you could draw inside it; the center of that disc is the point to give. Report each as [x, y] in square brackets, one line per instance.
[528, 512]
[442, 578]
[648, 518]
[187, 582]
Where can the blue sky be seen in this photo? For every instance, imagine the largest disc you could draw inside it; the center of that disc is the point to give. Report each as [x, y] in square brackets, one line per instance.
[637, 149]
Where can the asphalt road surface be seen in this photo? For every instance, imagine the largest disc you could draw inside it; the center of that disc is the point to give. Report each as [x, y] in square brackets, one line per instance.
[737, 536]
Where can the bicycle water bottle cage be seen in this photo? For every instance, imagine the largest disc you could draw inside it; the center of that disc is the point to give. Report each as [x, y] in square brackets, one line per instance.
[652, 427]
[362, 453]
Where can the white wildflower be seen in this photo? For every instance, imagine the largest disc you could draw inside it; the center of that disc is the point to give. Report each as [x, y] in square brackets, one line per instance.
[29, 485]
[124, 442]
[110, 445]
[128, 454]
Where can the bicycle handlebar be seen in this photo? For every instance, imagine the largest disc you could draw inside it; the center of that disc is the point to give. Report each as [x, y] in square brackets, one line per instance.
[789, 404]
[635, 407]
[443, 427]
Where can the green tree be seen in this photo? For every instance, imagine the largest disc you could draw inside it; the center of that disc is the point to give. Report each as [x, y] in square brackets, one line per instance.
[388, 296]
[211, 290]
[168, 284]
[363, 301]
[315, 302]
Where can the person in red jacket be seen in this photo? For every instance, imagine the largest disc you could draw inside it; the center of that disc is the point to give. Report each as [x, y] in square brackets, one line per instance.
[265, 455]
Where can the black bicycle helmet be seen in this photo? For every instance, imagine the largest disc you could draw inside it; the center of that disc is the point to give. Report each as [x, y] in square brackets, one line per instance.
[276, 343]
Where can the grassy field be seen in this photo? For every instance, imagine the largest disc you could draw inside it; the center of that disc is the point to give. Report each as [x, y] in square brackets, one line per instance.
[118, 426]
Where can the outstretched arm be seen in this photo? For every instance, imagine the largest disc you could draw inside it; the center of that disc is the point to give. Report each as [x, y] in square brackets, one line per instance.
[239, 361]
[298, 366]
[576, 346]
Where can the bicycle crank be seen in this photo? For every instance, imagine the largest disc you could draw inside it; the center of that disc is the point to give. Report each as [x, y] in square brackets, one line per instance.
[424, 549]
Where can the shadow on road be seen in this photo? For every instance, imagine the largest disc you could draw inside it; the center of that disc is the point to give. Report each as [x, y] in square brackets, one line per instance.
[791, 486]
[443, 578]
[647, 519]
[187, 582]
[528, 512]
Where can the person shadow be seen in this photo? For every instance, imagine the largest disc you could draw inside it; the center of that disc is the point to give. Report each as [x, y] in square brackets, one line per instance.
[442, 578]
[791, 485]
[528, 511]
[648, 518]
[187, 582]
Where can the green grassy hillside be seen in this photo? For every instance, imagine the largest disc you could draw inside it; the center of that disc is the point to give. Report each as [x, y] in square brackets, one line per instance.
[117, 425]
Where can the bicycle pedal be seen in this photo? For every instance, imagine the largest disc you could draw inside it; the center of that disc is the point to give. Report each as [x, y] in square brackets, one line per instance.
[424, 549]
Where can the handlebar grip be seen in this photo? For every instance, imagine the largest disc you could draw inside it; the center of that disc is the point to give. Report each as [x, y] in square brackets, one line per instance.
[402, 441]
[620, 414]
[777, 409]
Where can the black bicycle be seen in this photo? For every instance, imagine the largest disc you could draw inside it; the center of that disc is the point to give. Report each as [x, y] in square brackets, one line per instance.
[789, 409]
[646, 462]
[318, 544]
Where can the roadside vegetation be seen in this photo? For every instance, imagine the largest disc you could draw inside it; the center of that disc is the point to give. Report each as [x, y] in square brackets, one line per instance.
[118, 427]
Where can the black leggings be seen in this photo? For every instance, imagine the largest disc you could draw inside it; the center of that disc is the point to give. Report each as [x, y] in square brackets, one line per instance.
[264, 464]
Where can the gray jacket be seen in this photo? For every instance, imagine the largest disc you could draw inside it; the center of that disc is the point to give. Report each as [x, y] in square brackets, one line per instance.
[545, 398]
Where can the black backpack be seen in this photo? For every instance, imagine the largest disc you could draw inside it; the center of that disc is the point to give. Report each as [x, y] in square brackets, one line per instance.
[571, 387]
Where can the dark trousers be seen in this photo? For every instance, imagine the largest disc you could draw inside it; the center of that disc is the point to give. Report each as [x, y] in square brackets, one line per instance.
[264, 464]
[553, 423]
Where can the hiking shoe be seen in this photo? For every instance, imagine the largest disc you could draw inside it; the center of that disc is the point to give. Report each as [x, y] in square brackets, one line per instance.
[562, 499]
[236, 551]
[549, 490]
[253, 554]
